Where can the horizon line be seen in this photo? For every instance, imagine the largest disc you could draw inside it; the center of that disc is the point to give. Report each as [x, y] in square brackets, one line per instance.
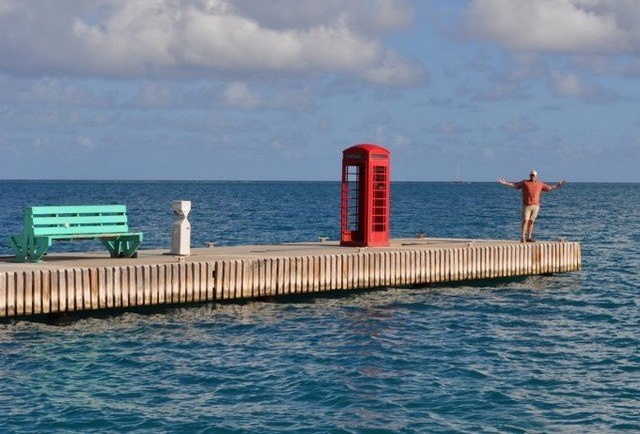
[458, 182]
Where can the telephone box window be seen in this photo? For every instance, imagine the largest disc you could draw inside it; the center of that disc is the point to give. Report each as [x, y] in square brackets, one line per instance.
[353, 188]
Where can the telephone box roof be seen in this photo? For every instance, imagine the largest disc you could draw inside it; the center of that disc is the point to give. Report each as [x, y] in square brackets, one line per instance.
[368, 148]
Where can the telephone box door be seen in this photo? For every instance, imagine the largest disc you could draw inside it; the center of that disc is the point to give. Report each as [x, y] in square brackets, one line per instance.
[365, 196]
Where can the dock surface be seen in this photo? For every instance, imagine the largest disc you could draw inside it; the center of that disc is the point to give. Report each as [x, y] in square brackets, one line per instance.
[69, 282]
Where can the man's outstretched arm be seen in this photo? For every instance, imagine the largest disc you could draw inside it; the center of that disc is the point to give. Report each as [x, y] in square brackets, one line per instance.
[507, 183]
[558, 185]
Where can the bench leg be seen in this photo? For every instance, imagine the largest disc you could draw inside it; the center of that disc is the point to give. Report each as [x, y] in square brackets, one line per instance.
[18, 245]
[29, 249]
[130, 247]
[37, 248]
[113, 246]
[124, 247]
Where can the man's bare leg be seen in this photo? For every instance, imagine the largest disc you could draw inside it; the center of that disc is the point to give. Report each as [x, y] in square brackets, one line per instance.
[530, 230]
[525, 225]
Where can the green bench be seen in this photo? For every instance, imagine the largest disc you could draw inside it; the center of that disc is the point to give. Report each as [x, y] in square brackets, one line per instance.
[44, 224]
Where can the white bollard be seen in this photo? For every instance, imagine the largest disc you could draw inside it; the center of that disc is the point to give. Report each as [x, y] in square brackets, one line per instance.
[181, 228]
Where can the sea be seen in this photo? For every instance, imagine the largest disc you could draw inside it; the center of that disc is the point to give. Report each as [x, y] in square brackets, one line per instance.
[538, 354]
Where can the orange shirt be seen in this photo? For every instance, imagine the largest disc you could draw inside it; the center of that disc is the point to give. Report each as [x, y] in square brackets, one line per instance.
[531, 191]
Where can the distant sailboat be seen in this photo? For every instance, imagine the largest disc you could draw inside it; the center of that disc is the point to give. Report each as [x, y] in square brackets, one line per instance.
[458, 180]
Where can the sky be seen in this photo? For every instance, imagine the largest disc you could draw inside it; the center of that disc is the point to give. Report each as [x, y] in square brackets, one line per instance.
[276, 90]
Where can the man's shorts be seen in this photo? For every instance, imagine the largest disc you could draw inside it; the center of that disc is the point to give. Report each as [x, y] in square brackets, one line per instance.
[530, 212]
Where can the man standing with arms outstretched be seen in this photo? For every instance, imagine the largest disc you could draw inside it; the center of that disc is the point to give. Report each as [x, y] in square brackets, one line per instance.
[532, 189]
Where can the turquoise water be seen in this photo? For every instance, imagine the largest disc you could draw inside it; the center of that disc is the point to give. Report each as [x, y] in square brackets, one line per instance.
[539, 354]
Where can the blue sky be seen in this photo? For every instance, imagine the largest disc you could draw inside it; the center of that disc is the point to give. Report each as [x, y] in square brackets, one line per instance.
[275, 90]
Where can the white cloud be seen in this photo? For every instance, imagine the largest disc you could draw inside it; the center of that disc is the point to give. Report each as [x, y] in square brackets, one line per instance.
[499, 91]
[400, 141]
[588, 37]
[52, 92]
[169, 38]
[366, 16]
[447, 128]
[154, 95]
[566, 84]
[85, 141]
[519, 126]
[5, 6]
[572, 85]
[562, 26]
[238, 94]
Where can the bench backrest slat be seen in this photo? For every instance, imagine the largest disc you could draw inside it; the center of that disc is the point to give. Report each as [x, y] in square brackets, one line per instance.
[81, 209]
[79, 230]
[76, 220]
[82, 219]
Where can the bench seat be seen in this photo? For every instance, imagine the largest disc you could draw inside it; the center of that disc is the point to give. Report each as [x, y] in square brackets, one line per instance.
[45, 224]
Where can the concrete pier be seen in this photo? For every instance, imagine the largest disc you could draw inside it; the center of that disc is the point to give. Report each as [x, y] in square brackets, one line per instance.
[70, 282]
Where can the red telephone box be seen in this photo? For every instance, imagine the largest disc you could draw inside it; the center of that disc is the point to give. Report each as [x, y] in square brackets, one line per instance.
[365, 196]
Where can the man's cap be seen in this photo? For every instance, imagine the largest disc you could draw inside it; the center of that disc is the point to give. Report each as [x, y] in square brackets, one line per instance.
[534, 173]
